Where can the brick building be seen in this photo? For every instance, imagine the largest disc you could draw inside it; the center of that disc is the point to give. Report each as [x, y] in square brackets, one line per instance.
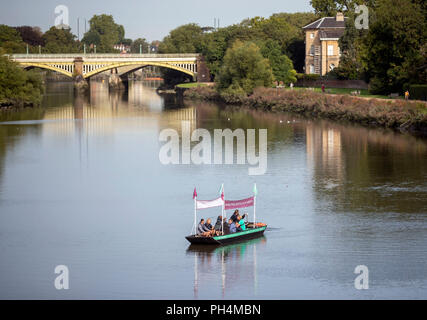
[322, 52]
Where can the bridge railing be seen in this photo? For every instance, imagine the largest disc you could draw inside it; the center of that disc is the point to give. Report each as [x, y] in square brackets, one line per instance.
[103, 55]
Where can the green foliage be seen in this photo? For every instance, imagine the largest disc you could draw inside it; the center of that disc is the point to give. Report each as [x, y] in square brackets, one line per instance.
[308, 77]
[140, 43]
[18, 87]
[418, 92]
[59, 41]
[392, 52]
[281, 65]
[10, 40]
[350, 66]
[104, 33]
[184, 39]
[244, 69]
[331, 7]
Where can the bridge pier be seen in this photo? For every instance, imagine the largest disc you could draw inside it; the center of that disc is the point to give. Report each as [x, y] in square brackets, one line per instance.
[115, 82]
[80, 83]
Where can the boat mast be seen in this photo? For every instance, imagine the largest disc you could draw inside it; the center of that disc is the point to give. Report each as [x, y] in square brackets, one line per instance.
[255, 194]
[195, 211]
[223, 208]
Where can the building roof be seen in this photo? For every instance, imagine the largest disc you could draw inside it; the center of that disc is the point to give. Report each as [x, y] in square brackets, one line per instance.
[333, 34]
[326, 22]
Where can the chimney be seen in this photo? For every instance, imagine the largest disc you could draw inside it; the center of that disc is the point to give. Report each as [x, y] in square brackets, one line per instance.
[340, 16]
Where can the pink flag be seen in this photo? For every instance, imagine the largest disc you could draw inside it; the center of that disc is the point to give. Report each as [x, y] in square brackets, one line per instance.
[238, 204]
[194, 194]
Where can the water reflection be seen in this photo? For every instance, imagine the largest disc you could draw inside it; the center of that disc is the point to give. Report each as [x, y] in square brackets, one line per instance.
[64, 115]
[363, 169]
[237, 263]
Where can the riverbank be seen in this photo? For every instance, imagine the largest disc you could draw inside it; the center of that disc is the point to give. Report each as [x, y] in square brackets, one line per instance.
[405, 116]
[19, 88]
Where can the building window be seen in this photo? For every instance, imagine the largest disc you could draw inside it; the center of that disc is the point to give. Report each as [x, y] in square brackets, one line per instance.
[312, 68]
[330, 50]
[331, 67]
[312, 50]
[311, 35]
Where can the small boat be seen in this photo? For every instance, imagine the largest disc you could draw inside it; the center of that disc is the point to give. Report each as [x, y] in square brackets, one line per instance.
[250, 233]
[253, 229]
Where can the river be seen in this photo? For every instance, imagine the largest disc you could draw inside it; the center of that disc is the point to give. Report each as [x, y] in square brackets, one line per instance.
[81, 185]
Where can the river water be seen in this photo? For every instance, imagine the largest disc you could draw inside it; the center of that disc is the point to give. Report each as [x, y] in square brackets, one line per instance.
[81, 185]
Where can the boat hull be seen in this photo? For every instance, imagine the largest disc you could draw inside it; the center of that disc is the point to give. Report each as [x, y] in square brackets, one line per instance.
[229, 238]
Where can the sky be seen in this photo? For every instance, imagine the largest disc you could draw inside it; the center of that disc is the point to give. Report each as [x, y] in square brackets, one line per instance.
[150, 19]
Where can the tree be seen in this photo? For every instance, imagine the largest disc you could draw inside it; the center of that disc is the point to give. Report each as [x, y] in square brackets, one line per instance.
[31, 35]
[10, 40]
[60, 41]
[140, 43]
[295, 46]
[350, 66]
[282, 67]
[184, 39]
[104, 33]
[331, 7]
[393, 47]
[213, 48]
[18, 86]
[244, 69]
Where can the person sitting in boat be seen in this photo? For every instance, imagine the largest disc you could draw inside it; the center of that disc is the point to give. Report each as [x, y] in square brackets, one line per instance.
[232, 226]
[208, 224]
[235, 215]
[242, 222]
[238, 226]
[218, 225]
[202, 230]
[209, 227]
[227, 226]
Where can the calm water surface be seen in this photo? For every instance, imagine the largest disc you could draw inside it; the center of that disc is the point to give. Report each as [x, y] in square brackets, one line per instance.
[81, 185]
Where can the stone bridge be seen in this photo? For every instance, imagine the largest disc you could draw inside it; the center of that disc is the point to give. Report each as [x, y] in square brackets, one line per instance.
[88, 65]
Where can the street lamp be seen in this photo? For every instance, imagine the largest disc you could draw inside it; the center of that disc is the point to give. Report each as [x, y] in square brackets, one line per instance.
[94, 48]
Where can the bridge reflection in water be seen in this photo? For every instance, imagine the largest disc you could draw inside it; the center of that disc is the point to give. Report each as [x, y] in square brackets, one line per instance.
[227, 265]
[99, 113]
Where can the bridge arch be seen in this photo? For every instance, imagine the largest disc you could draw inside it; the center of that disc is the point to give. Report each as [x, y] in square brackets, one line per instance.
[28, 65]
[138, 65]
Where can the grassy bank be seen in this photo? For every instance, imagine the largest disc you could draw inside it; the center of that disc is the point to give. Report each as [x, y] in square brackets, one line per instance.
[191, 85]
[363, 92]
[397, 114]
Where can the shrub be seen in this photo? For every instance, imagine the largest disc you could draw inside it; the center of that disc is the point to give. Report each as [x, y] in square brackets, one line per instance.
[307, 77]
